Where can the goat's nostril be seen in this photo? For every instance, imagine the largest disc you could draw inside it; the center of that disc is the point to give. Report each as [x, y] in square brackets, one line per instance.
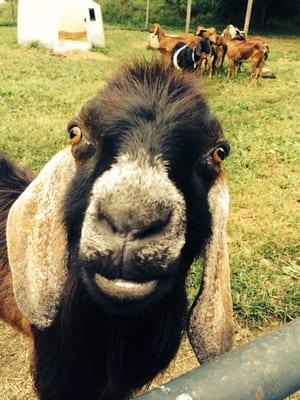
[103, 217]
[154, 228]
[132, 228]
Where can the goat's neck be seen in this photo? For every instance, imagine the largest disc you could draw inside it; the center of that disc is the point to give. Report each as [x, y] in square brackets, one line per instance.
[161, 34]
[105, 356]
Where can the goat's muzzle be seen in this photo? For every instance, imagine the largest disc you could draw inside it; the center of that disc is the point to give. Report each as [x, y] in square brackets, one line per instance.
[133, 232]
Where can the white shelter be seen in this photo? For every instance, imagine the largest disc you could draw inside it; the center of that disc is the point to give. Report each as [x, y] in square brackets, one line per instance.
[61, 25]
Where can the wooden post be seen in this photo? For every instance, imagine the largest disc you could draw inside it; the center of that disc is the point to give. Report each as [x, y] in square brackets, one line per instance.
[188, 16]
[147, 15]
[248, 16]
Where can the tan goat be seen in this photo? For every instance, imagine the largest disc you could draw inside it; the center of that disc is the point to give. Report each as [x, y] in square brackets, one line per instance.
[253, 52]
[242, 50]
[166, 43]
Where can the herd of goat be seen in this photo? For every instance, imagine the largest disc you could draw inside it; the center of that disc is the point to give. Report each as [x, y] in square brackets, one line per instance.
[205, 50]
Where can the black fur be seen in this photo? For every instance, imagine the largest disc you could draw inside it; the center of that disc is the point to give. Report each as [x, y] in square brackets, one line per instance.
[91, 352]
[188, 57]
[13, 181]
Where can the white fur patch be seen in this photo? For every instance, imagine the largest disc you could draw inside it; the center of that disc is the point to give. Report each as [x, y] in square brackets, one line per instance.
[153, 41]
[175, 57]
[139, 189]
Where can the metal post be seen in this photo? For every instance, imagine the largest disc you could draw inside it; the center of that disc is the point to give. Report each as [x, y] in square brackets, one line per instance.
[268, 368]
[147, 14]
[248, 16]
[188, 16]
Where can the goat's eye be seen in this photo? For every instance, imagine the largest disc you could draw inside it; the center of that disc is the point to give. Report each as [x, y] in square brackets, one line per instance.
[75, 134]
[219, 154]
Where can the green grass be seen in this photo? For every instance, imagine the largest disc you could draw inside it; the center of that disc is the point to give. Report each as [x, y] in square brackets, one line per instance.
[40, 92]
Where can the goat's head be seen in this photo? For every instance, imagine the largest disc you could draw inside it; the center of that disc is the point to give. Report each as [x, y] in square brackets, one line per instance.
[154, 28]
[202, 32]
[231, 32]
[140, 148]
[203, 46]
[128, 205]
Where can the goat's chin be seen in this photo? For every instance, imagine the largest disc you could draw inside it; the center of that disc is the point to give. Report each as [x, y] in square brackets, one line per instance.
[124, 297]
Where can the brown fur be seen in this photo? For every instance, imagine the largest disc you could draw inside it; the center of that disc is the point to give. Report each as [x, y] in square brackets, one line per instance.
[254, 49]
[10, 188]
[253, 52]
[207, 33]
[220, 50]
[167, 42]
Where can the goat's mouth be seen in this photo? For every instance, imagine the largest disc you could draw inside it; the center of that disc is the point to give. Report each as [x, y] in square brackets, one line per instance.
[123, 289]
[125, 295]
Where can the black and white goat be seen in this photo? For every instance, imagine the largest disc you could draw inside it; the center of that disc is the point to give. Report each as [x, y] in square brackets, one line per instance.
[187, 58]
[95, 251]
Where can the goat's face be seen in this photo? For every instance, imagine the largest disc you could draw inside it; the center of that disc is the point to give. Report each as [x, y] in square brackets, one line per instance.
[202, 32]
[235, 33]
[203, 46]
[147, 150]
[154, 28]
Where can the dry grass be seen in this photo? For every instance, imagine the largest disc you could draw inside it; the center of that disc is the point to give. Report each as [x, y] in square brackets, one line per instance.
[39, 93]
[16, 382]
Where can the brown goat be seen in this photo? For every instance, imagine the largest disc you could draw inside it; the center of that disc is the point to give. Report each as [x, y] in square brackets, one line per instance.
[241, 50]
[166, 43]
[220, 48]
[206, 33]
[253, 52]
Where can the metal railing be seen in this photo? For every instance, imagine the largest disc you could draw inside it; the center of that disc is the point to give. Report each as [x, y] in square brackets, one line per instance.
[268, 368]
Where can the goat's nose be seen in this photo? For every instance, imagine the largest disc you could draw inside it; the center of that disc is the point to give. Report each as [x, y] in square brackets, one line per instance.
[133, 225]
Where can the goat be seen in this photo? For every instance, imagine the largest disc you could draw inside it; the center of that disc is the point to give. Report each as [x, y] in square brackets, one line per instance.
[100, 242]
[166, 43]
[207, 33]
[209, 59]
[186, 58]
[231, 32]
[240, 50]
[219, 52]
[253, 52]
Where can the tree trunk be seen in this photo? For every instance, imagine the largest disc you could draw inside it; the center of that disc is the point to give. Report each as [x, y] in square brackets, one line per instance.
[13, 10]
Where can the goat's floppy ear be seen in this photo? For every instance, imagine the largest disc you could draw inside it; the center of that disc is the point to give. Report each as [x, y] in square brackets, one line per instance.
[210, 322]
[37, 241]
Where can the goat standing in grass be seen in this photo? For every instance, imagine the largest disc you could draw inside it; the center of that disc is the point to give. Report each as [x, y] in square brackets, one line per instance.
[95, 251]
[241, 50]
[185, 58]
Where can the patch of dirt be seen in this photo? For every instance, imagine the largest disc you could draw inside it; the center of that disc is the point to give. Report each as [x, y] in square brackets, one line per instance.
[16, 381]
[80, 54]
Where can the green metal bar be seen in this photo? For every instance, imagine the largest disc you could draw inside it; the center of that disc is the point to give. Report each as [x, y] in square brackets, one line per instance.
[268, 368]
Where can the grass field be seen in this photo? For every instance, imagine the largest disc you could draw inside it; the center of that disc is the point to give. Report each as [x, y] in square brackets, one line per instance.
[40, 92]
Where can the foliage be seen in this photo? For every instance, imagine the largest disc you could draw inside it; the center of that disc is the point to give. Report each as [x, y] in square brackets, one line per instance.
[172, 12]
[8, 13]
